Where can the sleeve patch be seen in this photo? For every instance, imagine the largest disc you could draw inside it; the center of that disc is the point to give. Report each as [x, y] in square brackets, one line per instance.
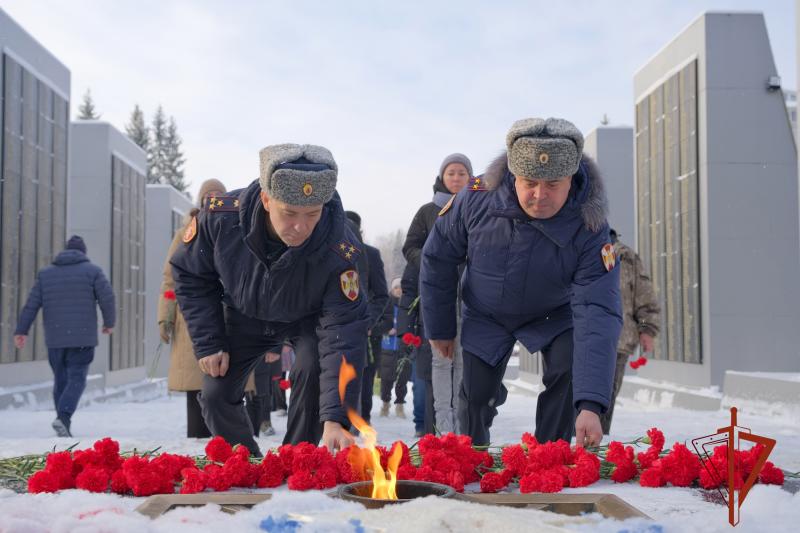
[608, 256]
[447, 206]
[191, 231]
[348, 282]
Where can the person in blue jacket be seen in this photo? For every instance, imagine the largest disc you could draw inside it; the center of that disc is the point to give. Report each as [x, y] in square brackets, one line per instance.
[68, 292]
[540, 270]
[275, 263]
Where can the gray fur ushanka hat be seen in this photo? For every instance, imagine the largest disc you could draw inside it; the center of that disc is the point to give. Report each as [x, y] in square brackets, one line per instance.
[544, 149]
[298, 174]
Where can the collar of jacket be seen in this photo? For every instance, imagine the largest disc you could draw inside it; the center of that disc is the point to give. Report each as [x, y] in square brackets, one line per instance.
[328, 231]
[586, 204]
[561, 227]
[70, 257]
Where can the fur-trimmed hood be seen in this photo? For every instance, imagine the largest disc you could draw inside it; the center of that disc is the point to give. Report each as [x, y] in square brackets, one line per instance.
[587, 192]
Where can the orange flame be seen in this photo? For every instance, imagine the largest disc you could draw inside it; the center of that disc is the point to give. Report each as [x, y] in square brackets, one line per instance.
[368, 459]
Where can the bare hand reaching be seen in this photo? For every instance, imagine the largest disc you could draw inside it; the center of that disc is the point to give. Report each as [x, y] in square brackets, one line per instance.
[215, 365]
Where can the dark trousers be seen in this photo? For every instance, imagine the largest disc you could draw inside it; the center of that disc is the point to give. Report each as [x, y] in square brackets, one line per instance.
[70, 368]
[278, 394]
[425, 373]
[482, 391]
[619, 373]
[195, 425]
[258, 402]
[418, 391]
[222, 397]
[392, 377]
[368, 376]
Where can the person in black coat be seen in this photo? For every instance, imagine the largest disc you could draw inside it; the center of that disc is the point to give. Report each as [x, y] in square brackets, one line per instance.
[437, 372]
[395, 366]
[378, 298]
[271, 264]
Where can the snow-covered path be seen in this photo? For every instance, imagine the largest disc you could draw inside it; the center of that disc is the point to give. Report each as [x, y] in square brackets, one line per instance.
[161, 422]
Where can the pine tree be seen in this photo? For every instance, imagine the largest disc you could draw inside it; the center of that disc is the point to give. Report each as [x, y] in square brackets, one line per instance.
[157, 154]
[139, 133]
[86, 110]
[137, 130]
[173, 157]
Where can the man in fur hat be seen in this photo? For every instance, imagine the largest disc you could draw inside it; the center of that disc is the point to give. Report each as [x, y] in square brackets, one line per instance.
[271, 264]
[541, 271]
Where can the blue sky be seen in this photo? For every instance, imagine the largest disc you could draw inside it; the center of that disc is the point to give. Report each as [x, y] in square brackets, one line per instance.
[390, 87]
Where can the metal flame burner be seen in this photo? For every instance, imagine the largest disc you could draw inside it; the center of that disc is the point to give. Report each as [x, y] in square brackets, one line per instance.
[407, 490]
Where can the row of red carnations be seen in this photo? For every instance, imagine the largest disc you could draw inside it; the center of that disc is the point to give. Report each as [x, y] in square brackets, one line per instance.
[552, 466]
[449, 459]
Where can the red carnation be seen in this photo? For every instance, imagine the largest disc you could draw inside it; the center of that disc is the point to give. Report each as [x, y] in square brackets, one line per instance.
[550, 480]
[92, 479]
[770, 474]
[118, 483]
[42, 481]
[493, 482]
[646, 459]
[515, 460]
[407, 471]
[217, 478]
[194, 481]
[325, 478]
[455, 480]
[529, 440]
[169, 295]
[271, 472]
[408, 338]
[218, 450]
[680, 467]
[642, 361]
[652, 477]
[301, 480]
[622, 457]
[416, 341]
[586, 471]
[428, 443]
[61, 466]
[655, 438]
[145, 479]
[635, 364]
[285, 384]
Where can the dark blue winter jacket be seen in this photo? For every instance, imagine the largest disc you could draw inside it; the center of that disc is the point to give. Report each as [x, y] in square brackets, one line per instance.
[526, 279]
[69, 291]
[231, 261]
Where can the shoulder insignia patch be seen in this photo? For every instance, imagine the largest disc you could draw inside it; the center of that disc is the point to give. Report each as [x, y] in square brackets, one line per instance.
[191, 231]
[221, 204]
[447, 206]
[608, 256]
[348, 281]
[476, 184]
[348, 251]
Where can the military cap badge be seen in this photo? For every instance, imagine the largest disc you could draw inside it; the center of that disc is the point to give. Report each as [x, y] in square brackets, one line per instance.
[308, 189]
[609, 258]
[348, 280]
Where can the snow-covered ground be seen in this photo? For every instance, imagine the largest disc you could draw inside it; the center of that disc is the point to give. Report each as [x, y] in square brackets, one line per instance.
[161, 423]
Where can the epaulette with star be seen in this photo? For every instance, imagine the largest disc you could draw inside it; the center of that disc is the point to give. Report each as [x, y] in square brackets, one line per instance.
[476, 184]
[347, 250]
[221, 204]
